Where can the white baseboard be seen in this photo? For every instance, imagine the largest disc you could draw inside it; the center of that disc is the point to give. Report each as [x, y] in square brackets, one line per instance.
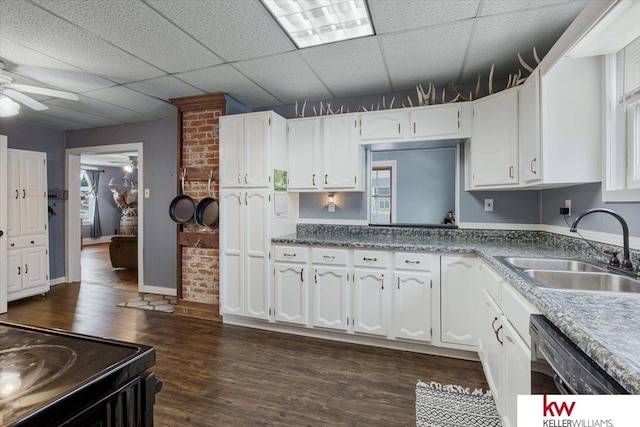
[350, 338]
[159, 290]
[58, 281]
[86, 241]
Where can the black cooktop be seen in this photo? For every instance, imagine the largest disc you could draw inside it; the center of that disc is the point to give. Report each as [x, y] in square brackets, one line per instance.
[48, 370]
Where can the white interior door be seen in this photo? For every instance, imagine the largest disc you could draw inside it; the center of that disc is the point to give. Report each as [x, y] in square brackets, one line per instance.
[3, 225]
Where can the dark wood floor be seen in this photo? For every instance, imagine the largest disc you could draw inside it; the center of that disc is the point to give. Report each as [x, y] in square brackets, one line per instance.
[221, 375]
[96, 269]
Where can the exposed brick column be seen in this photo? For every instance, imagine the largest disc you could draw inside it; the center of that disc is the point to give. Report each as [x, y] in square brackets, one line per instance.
[198, 139]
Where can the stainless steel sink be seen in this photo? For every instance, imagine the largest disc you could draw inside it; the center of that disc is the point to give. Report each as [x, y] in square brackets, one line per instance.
[551, 264]
[585, 281]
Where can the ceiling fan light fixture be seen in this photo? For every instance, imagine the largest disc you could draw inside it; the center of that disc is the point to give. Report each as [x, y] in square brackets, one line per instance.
[8, 107]
[310, 23]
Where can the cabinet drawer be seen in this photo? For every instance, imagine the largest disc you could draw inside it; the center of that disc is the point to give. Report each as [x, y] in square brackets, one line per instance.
[26, 241]
[412, 261]
[370, 258]
[330, 256]
[291, 253]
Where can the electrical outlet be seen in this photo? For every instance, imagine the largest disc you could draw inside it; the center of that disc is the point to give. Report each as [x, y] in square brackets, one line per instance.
[146, 193]
[332, 207]
[567, 204]
[488, 205]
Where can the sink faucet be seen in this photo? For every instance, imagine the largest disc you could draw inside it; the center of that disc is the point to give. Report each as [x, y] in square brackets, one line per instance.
[626, 264]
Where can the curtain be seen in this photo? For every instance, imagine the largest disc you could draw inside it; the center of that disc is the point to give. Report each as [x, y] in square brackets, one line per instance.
[93, 176]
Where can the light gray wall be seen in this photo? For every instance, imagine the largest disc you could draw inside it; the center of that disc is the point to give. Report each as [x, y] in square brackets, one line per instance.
[585, 197]
[425, 181]
[349, 206]
[160, 167]
[28, 137]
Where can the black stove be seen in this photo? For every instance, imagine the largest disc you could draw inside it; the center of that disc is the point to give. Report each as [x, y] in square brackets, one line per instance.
[55, 378]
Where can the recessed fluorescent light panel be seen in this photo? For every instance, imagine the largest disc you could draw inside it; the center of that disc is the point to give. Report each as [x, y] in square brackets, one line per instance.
[315, 22]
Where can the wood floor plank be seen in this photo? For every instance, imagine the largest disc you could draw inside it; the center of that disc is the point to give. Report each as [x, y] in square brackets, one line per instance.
[222, 375]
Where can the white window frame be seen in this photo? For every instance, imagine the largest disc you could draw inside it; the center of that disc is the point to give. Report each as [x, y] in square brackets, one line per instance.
[384, 164]
[92, 203]
[621, 181]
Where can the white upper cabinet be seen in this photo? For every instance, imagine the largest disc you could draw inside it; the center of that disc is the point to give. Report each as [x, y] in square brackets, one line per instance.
[494, 145]
[245, 141]
[381, 126]
[436, 121]
[324, 154]
[529, 129]
[304, 143]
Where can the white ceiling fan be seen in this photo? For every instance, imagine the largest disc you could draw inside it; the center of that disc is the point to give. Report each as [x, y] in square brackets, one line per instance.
[10, 92]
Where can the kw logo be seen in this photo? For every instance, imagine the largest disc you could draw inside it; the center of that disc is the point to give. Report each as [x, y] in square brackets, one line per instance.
[549, 408]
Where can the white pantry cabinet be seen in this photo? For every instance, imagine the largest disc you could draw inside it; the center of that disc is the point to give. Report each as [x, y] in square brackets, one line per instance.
[412, 296]
[331, 288]
[494, 145]
[459, 293]
[245, 148]
[324, 154]
[27, 219]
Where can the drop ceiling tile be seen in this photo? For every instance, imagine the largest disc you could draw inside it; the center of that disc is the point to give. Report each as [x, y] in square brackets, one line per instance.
[165, 88]
[494, 7]
[43, 68]
[27, 81]
[432, 55]
[497, 39]
[30, 26]
[138, 29]
[225, 78]
[88, 120]
[351, 68]
[234, 30]
[396, 15]
[42, 120]
[101, 109]
[286, 76]
[128, 98]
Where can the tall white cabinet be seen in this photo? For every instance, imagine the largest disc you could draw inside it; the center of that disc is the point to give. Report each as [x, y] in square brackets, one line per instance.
[252, 147]
[3, 224]
[27, 235]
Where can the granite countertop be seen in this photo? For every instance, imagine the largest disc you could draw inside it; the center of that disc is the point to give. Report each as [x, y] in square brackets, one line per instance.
[606, 326]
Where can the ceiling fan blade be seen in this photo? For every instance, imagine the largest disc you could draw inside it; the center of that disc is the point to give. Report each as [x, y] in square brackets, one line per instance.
[44, 91]
[24, 99]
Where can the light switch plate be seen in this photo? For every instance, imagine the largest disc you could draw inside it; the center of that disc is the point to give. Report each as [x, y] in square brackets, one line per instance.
[146, 193]
[332, 207]
[488, 205]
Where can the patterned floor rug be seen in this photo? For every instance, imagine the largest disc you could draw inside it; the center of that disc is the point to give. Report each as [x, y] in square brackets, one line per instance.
[151, 302]
[440, 405]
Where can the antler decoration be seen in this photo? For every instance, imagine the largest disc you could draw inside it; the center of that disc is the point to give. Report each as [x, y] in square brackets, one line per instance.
[430, 96]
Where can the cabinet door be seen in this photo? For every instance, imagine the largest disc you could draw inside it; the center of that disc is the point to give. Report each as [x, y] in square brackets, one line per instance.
[529, 129]
[303, 140]
[231, 252]
[290, 293]
[459, 296]
[13, 193]
[231, 146]
[491, 338]
[330, 286]
[517, 378]
[35, 268]
[340, 153]
[15, 270]
[412, 311]
[256, 153]
[494, 146]
[256, 253]
[33, 193]
[384, 125]
[435, 122]
[370, 302]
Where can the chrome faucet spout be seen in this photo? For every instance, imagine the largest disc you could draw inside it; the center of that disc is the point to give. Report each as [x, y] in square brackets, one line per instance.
[626, 262]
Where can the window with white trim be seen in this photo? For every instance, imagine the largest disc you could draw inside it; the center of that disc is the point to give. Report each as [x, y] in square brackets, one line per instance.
[86, 199]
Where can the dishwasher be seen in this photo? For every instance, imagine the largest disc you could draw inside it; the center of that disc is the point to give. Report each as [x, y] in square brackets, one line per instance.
[573, 371]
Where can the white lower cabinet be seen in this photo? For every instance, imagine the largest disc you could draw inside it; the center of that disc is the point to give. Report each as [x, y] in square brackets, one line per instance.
[458, 299]
[491, 336]
[330, 297]
[370, 301]
[517, 378]
[412, 306]
[290, 293]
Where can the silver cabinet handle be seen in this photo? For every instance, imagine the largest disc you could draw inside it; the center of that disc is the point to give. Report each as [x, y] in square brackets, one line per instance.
[246, 178]
[325, 179]
[286, 254]
[531, 166]
[414, 127]
[411, 262]
[17, 194]
[498, 336]
[24, 193]
[301, 276]
[328, 257]
[398, 127]
[315, 276]
[313, 179]
[26, 269]
[370, 259]
[245, 199]
[382, 278]
[239, 179]
[398, 283]
[510, 171]
[18, 270]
